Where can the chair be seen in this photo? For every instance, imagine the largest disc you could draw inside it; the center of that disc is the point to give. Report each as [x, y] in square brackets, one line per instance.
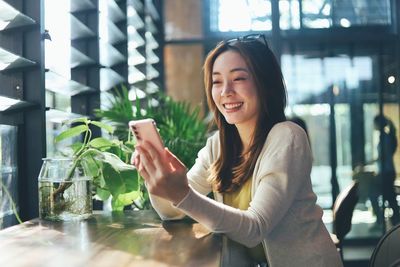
[387, 252]
[343, 213]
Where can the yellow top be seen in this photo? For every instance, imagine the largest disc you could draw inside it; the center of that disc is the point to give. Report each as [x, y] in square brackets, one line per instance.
[240, 199]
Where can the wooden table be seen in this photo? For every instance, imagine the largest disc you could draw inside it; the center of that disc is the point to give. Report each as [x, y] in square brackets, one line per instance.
[134, 238]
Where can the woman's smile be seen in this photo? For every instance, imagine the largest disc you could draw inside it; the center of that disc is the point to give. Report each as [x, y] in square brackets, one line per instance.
[232, 107]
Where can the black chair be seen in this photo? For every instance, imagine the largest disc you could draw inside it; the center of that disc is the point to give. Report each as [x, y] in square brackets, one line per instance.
[387, 252]
[343, 213]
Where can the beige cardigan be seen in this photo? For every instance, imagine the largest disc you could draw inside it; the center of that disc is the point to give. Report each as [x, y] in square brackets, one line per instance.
[283, 214]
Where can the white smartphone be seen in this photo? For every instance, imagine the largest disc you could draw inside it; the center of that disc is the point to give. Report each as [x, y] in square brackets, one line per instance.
[146, 130]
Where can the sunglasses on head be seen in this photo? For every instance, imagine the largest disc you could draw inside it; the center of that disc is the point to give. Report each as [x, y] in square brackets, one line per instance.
[248, 39]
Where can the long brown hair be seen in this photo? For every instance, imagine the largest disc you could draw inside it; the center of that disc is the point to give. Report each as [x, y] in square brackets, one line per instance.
[235, 166]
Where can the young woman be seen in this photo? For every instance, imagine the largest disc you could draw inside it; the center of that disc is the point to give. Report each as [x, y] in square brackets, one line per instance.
[257, 165]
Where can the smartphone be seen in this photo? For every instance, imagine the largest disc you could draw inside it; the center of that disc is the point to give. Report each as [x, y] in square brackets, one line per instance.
[146, 130]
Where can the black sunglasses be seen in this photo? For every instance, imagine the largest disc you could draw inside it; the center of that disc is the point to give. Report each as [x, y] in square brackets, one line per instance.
[255, 37]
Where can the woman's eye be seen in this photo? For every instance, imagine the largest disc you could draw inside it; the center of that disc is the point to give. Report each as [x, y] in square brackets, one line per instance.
[240, 79]
[216, 82]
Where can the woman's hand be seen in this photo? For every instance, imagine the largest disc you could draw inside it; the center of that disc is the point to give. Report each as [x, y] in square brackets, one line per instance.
[165, 175]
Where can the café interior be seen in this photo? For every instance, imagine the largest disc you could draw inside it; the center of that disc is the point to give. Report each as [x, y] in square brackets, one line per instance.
[68, 59]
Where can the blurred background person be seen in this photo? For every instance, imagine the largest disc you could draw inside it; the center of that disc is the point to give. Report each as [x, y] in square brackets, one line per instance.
[386, 169]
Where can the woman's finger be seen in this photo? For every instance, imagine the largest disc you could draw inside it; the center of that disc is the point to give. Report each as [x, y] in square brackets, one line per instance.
[143, 172]
[157, 159]
[151, 150]
[145, 160]
[134, 158]
[175, 163]
[136, 161]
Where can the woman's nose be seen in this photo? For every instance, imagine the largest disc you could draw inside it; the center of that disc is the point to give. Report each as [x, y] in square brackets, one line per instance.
[227, 89]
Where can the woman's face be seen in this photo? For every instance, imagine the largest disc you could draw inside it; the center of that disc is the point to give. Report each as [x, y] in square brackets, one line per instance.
[234, 91]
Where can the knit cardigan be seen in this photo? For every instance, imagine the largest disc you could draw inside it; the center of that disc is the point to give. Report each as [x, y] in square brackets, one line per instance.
[283, 214]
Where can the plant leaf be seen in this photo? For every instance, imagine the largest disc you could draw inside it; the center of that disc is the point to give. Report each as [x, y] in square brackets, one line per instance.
[104, 126]
[91, 166]
[130, 180]
[116, 163]
[102, 194]
[114, 181]
[71, 132]
[76, 146]
[128, 198]
[100, 142]
[116, 204]
[82, 120]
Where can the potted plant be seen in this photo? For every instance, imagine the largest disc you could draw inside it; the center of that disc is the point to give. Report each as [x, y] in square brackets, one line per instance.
[181, 127]
[105, 161]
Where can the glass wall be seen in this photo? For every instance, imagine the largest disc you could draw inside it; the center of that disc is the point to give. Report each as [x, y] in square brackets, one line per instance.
[240, 15]
[316, 14]
[337, 94]
[61, 57]
[316, 117]
[8, 172]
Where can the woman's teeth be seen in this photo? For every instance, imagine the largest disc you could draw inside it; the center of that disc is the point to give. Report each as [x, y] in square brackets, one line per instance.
[232, 105]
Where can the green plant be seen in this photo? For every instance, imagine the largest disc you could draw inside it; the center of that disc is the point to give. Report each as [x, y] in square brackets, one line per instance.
[182, 129]
[105, 161]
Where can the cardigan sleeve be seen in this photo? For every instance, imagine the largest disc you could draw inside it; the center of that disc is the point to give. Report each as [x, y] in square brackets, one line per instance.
[197, 179]
[282, 168]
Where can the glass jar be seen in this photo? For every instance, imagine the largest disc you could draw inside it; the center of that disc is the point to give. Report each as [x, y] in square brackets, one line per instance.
[65, 192]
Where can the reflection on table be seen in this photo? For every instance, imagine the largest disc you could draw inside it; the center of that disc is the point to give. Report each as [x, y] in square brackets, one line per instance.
[135, 238]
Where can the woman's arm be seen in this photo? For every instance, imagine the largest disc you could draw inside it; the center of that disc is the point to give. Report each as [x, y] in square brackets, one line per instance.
[197, 179]
[282, 172]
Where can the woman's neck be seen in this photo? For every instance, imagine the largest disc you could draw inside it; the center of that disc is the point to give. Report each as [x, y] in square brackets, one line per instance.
[246, 135]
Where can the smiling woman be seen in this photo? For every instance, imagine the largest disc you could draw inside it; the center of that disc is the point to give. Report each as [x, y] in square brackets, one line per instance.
[257, 166]
[234, 91]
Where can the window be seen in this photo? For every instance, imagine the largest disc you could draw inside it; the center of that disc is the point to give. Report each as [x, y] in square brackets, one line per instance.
[289, 14]
[8, 172]
[240, 15]
[340, 13]
[306, 76]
